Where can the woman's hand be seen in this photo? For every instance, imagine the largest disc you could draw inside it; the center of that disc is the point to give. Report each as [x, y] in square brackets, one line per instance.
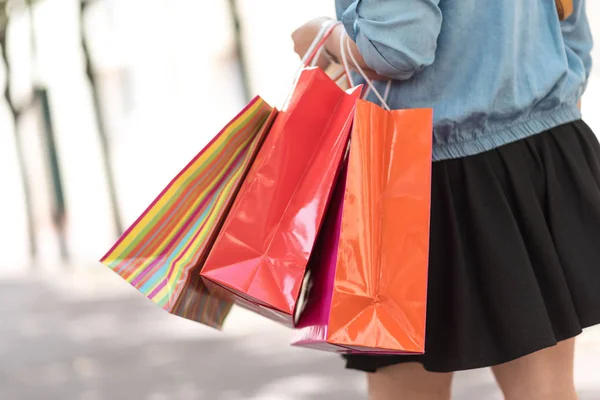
[305, 35]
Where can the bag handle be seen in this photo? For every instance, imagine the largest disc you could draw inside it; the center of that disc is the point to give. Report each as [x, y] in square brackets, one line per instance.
[312, 55]
[316, 48]
[345, 47]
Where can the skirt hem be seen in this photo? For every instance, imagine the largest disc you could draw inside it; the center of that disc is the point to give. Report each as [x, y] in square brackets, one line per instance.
[382, 363]
[513, 255]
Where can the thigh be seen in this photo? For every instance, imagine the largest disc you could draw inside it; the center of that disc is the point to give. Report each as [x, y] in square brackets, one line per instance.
[546, 374]
[409, 381]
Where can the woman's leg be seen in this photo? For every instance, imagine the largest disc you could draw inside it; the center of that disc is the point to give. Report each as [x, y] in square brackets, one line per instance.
[544, 375]
[409, 381]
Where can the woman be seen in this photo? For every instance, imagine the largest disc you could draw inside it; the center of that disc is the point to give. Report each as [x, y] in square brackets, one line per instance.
[515, 231]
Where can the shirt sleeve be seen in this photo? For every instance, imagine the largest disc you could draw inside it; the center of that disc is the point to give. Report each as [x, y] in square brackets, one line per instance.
[577, 35]
[397, 38]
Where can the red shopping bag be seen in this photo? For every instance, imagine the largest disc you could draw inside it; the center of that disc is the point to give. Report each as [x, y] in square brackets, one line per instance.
[260, 255]
[368, 287]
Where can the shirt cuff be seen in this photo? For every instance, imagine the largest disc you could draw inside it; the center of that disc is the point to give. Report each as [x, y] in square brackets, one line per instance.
[350, 20]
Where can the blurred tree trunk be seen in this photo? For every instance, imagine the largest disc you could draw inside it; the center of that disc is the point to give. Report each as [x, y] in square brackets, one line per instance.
[239, 49]
[99, 115]
[41, 104]
[16, 113]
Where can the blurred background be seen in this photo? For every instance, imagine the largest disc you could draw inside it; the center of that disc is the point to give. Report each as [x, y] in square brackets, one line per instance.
[103, 102]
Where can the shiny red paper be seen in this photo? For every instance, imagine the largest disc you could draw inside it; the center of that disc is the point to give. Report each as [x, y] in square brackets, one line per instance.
[260, 256]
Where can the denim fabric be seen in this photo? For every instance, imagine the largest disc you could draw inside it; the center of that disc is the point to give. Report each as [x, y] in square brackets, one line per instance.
[493, 71]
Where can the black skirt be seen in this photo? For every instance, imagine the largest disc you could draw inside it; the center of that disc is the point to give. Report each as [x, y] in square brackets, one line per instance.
[514, 252]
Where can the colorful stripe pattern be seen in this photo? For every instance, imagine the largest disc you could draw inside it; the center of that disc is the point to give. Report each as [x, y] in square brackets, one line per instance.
[173, 236]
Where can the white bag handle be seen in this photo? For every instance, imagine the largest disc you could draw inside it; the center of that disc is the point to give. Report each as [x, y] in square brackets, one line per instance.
[345, 47]
[311, 57]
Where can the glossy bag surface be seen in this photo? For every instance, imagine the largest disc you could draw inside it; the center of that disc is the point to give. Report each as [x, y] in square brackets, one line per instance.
[162, 253]
[260, 256]
[369, 292]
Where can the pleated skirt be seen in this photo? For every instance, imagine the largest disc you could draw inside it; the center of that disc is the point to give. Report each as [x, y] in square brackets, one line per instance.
[514, 252]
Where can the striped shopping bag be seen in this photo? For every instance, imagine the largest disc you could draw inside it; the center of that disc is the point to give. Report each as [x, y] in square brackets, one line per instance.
[162, 253]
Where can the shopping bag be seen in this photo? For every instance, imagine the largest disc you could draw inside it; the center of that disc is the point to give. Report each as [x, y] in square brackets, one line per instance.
[162, 253]
[564, 8]
[261, 253]
[368, 273]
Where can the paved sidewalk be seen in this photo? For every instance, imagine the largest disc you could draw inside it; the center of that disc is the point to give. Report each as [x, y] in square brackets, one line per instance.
[92, 337]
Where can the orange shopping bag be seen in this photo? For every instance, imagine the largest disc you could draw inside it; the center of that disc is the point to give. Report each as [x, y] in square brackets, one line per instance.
[368, 286]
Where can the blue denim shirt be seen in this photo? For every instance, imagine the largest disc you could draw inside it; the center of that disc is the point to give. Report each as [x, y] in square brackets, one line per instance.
[493, 71]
